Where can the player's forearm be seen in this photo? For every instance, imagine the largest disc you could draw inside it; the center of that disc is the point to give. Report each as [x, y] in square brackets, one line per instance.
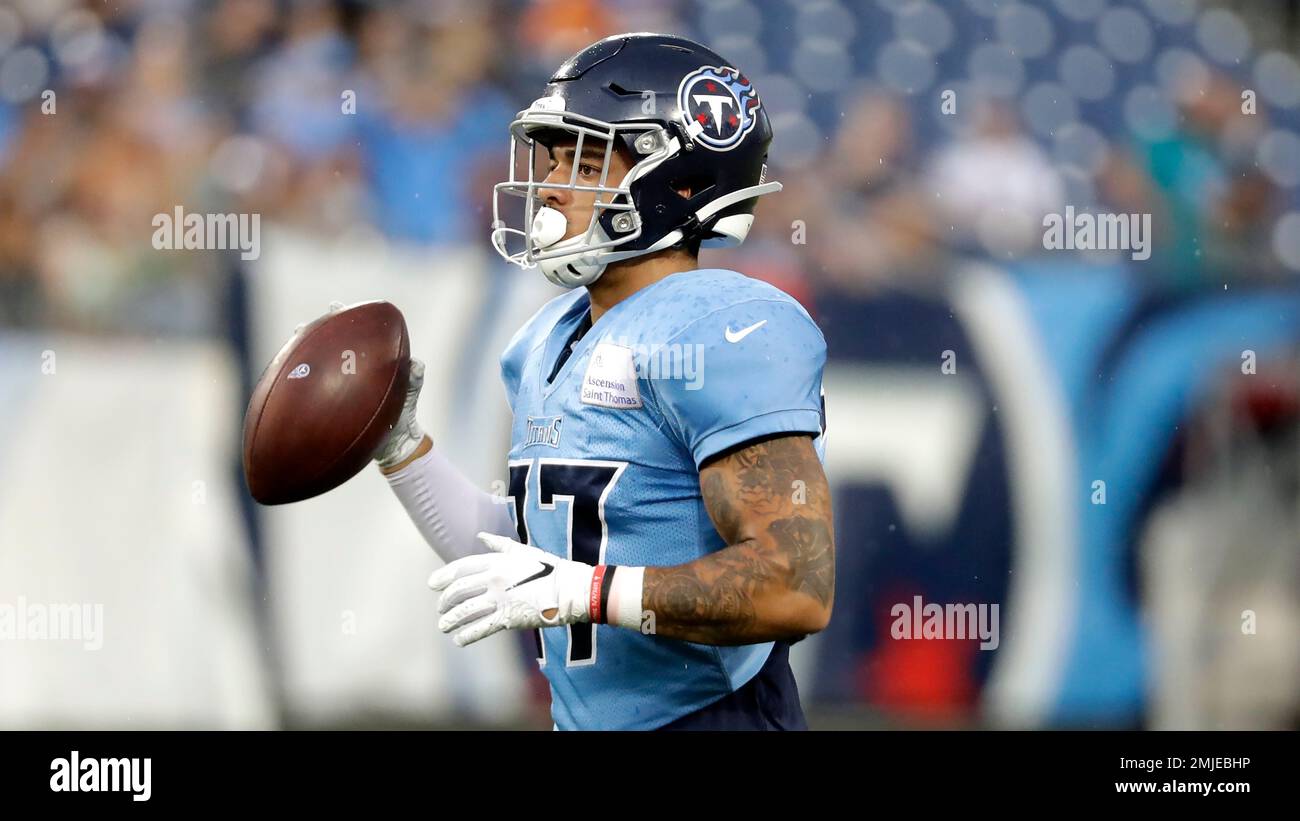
[446, 507]
[770, 500]
[746, 593]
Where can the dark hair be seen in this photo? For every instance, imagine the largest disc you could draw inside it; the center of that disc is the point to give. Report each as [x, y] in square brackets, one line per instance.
[690, 245]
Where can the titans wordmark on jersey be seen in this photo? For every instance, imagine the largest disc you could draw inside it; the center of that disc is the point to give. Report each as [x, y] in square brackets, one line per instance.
[605, 455]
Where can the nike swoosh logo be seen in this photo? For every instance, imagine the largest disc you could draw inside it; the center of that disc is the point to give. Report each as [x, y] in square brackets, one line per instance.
[546, 570]
[736, 336]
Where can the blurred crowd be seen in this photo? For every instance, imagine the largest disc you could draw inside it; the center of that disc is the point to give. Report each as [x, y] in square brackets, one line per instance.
[346, 118]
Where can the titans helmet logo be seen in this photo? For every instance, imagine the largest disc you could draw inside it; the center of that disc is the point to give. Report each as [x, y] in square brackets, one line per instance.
[724, 104]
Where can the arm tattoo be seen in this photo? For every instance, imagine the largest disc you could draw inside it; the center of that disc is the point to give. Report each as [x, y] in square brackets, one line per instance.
[770, 502]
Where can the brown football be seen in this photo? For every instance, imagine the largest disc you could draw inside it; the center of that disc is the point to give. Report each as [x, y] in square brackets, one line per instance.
[325, 403]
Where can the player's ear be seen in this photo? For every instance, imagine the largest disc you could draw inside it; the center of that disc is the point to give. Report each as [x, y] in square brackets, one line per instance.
[688, 186]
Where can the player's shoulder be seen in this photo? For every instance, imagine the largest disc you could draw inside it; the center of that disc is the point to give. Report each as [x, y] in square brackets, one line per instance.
[534, 332]
[697, 301]
[710, 289]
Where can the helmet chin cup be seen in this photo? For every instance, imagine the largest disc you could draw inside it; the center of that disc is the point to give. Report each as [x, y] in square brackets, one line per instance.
[566, 270]
[572, 270]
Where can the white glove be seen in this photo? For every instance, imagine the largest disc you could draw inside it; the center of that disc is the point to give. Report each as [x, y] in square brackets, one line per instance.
[514, 587]
[406, 435]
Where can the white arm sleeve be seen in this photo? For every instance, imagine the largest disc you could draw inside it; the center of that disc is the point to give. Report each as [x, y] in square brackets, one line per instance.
[447, 508]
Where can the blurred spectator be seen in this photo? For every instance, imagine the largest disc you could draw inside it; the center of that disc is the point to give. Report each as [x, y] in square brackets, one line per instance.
[1240, 226]
[298, 100]
[236, 34]
[551, 31]
[1210, 204]
[21, 295]
[143, 153]
[432, 124]
[993, 185]
[880, 228]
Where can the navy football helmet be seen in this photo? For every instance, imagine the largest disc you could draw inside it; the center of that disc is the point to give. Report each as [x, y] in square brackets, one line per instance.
[687, 117]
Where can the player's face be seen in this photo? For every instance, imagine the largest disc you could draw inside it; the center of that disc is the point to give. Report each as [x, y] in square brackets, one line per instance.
[578, 205]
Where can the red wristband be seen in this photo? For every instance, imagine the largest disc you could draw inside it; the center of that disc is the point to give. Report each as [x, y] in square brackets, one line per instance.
[594, 598]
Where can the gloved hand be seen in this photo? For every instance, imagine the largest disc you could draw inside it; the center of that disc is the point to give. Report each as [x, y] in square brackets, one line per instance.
[406, 435]
[516, 586]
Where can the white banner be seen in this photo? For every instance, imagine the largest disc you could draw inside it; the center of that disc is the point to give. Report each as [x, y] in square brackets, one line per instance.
[125, 574]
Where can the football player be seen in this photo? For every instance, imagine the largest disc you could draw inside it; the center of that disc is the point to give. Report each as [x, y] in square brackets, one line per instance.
[668, 523]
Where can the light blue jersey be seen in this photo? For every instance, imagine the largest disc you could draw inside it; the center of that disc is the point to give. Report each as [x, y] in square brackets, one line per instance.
[604, 464]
